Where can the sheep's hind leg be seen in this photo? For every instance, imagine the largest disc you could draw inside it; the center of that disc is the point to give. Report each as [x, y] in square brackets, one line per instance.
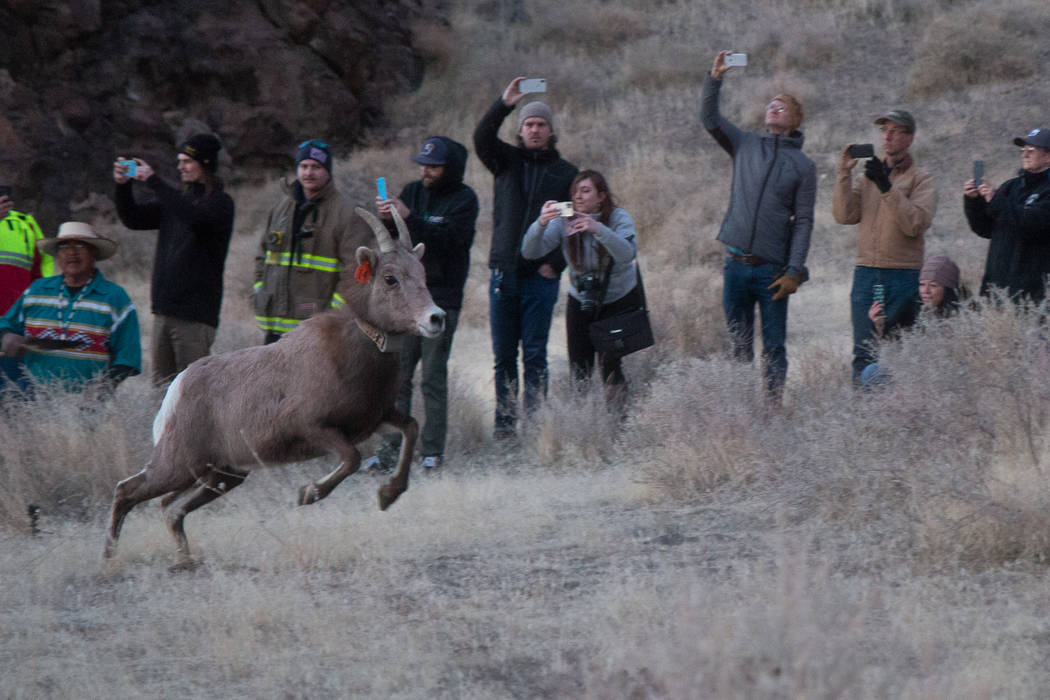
[129, 493]
[217, 482]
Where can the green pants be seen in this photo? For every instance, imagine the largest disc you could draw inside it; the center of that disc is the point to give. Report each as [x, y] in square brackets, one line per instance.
[434, 353]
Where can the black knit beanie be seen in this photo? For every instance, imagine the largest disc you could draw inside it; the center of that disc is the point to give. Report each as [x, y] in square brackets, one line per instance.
[203, 148]
[314, 149]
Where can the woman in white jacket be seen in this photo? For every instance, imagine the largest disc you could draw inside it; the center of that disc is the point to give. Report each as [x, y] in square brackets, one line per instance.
[598, 241]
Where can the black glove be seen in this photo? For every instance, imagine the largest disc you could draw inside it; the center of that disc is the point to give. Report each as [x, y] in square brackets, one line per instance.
[875, 171]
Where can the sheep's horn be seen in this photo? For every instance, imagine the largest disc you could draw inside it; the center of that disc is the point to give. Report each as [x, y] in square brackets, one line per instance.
[386, 241]
[402, 230]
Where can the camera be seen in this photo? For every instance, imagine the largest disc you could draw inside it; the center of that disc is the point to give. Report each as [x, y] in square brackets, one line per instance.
[736, 59]
[590, 287]
[565, 209]
[129, 168]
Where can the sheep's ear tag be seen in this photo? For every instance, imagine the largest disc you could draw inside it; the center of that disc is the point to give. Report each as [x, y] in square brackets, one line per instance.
[363, 273]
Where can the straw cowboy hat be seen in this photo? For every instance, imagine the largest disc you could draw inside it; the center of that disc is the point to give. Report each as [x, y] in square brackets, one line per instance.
[76, 231]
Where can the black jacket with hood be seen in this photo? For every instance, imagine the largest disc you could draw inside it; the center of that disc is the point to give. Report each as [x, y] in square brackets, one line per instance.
[442, 219]
[1017, 222]
[524, 180]
[194, 229]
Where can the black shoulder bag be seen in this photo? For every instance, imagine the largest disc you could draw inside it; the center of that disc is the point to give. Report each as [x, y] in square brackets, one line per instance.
[625, 332]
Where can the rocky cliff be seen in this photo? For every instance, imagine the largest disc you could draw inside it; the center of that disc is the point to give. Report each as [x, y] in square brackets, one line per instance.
[84, 80]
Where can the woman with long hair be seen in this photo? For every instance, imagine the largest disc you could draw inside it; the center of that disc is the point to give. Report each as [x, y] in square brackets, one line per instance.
[598, 241]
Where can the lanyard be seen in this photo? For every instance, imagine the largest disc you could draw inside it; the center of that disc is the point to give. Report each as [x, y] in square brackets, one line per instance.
[62, 319]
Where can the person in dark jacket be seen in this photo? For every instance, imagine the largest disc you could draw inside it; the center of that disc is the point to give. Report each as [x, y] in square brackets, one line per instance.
[768, 225]
[440, 212]
[1016, 219]
[194, 228]
[522, 293]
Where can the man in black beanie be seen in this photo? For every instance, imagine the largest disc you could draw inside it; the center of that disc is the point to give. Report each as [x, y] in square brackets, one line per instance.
[310, 241]
[194, 226]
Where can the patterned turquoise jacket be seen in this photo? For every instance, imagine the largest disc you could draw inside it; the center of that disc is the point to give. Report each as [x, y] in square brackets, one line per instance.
[101, 317]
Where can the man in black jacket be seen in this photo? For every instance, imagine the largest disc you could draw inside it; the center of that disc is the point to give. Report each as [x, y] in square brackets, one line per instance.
[1016, 218]
[194, 227]
[522, 293]
[440, 212]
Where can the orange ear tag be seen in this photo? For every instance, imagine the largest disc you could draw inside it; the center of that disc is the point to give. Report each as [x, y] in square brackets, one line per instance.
[363, 273]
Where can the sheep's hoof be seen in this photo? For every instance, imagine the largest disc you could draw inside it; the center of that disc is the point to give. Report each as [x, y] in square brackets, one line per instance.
[308, 495]
[388, 493]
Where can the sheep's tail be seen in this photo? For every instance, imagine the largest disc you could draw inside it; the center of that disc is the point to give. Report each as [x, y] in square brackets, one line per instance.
[167, 408]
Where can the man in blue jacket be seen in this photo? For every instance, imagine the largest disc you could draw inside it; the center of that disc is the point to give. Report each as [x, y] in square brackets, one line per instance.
[768, 225]
[440, 212]
[522, 293]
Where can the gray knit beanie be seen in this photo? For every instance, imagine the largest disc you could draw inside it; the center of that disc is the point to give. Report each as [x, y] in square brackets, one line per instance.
[942, 270]
[536, 109]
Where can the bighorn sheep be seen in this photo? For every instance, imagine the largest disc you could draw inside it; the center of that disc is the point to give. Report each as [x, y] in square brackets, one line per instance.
[326, 386]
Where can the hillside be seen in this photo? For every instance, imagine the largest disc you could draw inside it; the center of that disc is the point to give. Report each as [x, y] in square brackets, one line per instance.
[886, 544]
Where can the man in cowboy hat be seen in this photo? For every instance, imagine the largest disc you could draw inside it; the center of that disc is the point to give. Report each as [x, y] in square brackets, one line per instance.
[77, 326]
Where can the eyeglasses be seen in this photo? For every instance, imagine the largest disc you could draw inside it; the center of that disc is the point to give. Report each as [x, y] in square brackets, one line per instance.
[776, 109]
[316, 143]
[73, 246]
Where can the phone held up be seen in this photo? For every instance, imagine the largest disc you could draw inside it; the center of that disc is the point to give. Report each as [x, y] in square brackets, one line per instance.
[5, 190]
[978, 172]
[381, 188]
[862, 150]
[130, 168]
[533, 85]
[736, 59]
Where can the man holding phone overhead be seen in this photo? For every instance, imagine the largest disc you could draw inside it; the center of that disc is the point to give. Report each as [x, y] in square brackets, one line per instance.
[768, 225]
[892, 205]
[522, 293]
[309, 243]
[440, 211]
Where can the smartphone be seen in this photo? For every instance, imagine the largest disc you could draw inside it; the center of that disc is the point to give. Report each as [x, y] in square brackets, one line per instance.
[381, 188]
[565, 210]
[878, 293]
[862, 150]
[533, 85]
[736, 59]
[978, 172]
[129, 168]
[5, 190]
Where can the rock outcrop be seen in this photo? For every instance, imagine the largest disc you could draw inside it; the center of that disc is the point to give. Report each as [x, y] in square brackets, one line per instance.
[82, 81]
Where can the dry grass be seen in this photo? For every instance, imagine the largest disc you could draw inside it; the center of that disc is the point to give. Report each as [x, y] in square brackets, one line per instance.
[890, 544]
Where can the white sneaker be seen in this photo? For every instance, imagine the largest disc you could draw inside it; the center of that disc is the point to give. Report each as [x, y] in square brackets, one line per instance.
[433, 461]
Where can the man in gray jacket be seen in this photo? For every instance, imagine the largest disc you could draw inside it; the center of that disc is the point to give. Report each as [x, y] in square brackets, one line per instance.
[768, 224]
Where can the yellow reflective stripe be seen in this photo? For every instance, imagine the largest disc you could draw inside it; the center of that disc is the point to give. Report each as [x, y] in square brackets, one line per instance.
[279, 325]
[257, 286]
[306, 261]
[338, 301]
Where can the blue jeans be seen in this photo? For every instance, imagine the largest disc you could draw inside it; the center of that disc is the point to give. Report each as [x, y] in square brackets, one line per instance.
[743, 286]
[520, 312]
[901, 292]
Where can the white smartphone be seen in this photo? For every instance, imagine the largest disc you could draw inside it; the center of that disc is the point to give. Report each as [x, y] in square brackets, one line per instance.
[736, 59]
[533, 85]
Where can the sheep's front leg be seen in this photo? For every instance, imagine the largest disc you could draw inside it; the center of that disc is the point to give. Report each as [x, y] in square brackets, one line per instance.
[398, 483]
[334, 441]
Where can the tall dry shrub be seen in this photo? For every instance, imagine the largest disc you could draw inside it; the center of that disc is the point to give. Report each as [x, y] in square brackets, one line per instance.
[980, 44]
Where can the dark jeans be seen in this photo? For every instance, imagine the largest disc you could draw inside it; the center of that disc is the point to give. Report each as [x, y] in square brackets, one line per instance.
[12, 373]
[434, 353]
[901, 292]
[520, 312]
[581, 351]
[744, 286]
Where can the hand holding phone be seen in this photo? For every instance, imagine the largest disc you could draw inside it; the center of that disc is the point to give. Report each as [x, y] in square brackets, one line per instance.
[878, 293]
[735, 59]
[130, 168]
[381, 188]
[862, 150]
[533, 85]
[978, 172]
